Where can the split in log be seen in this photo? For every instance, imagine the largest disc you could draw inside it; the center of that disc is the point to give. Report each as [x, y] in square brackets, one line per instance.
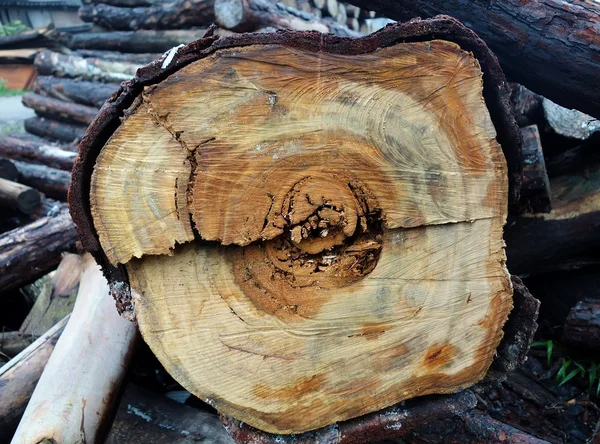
[337, 232]
[56, 297]
[535, 190]
[19, 377]
[134, 41]
[142, 58]
[548, 46]
[55, 130]
[582, 328]
[50, 181]
[144, 417]
[8, 170]
[59, 109]
[87, 93]
[569, 122]
[29, 252]
[252, 15]
[50, 155]
[179, 14]
[60, 65]
[80, 385]
[17, 196]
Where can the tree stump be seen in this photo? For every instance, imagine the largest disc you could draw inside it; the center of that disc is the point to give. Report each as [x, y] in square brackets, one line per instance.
[308, 228]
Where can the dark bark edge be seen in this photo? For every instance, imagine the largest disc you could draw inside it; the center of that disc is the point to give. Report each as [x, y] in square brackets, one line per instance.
[496, 93]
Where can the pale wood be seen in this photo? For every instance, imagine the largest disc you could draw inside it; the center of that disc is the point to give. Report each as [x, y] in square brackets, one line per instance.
[389, 194]
[80, 384]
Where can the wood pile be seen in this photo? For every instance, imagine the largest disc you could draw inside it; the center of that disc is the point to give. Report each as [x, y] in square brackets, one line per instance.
[290, 253]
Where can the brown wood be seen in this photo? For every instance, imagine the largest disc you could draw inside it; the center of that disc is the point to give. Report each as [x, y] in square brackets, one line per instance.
[50, 155]
[19, 377]
[314, 222]
[535, 191]
[134, 41]
[55, 130]
[17, 196]
[252, 15]
[87, 93]
[582, 327]
[547, 46]
[59, 109]
[52, 182]
[178, 14]
[29, 252]
[18, 76]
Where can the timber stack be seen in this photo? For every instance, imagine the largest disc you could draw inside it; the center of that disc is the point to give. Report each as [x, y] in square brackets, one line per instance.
[319, 239]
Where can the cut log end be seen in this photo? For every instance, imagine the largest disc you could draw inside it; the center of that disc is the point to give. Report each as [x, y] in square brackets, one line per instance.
[309, 247]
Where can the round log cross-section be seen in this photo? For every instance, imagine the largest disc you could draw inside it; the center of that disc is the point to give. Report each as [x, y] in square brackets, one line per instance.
[311, 227]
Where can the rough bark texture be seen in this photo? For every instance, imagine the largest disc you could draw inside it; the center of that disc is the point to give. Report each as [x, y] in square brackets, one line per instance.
[115, 56]
[46, 208]
[29, 252]
[582, 328]
[179, 14]
[27, 151]
[535, 191]
[19, 197]
[52, 182]
[55, 130]
[87, 93]
[56, 108]
[133, 41]
[549, 46]
[569, 122]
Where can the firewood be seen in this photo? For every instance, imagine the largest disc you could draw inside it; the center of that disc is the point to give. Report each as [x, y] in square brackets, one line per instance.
[353, 24]
[12, 343]
[178, 14]
[582, 328]
[331, 7]
[341, 16]
[527, 105]
[17, 196]
[352, 11]
[74, 397]
[87, 93]
[569, 122]
[535, 190]
[126, 3]
[47, 208]
[145, 417]
[59, 109]
[547, 46]
[19, 377]
[319, 4]
[55, 299]
[50, 155]
[573, 160]
[29, 252]
[50, 181]
[53, 129]
[8, 170]
[252, 15]
[60, 65]
[115, 56]
[134, 41]
[310, 209]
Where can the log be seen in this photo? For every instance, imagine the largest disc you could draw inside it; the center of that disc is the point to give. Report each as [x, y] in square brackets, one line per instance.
[134, 41]
[17, 196]
[178, 14]
[52, 182]
[19, 377]
[61, 65]
[582, 327]
[547, 46]
[573, 160]
[49, 155]
[12, 343]
[146, 417]
[252, 15]
[126, 3]
[8, 170]
[80, 385]
[527, 105]
[569, 122]
[55, 130]
[87, 93]
[32, 138]
[298, 242]
[535, 190]
[142, 58]
[59, 109]
[47, 208]
[29, 252]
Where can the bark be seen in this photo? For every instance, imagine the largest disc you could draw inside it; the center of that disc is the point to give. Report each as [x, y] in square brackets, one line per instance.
[549, 46]
[150, 418]
[115, 56]
[47, 208]
[134, 41]
[52, 182]
[8, 170]
[32, 38]
[126, 3]
[61, 65]
[573, 160]
[55, 130]
[527, 105]
[87, 93]
[19, 377]
[29, 252]
[569, 122]
[582, 327]
[12, 343]
[56, 108]
[179, 14]
[535, 191]
[80, 385]
[17, 196]
[50, 155]
[252, 15]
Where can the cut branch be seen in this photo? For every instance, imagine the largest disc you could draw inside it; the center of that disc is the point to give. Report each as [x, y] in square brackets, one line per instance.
[52, 182]
[50, 155]
[87, 93]
[17, 196]
[56, 108]
[52, 129]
